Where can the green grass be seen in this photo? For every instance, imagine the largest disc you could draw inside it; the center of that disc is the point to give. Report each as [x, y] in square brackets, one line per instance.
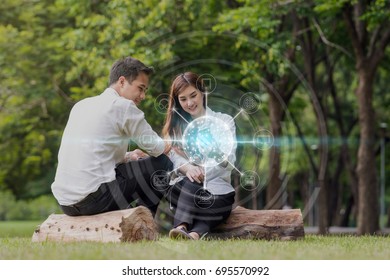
[18, 228]
[15, 243]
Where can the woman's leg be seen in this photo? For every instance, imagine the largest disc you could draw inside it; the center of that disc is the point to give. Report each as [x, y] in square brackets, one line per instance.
[218, 212]
[183, 200]
[197, 209]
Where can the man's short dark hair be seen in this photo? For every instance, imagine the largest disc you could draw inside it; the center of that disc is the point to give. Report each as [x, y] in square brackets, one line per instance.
[129, 68]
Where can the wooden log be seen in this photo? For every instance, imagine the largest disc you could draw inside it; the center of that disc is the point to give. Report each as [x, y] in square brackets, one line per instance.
[117, 226]
[138, 224]
[261, 224]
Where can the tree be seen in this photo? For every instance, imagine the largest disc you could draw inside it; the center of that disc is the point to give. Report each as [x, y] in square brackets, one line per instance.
[270, 65]
[367, 23]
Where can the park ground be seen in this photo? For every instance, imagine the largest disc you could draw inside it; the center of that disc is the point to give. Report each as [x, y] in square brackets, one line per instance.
[15, 244]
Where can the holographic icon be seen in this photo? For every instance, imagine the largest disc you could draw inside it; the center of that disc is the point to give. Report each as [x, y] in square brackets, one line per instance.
[160, 180]
[209, 81]
[249, 180]
[263, 139]
[249, 102]
[203, 198]
[161, 103]
[148, 142]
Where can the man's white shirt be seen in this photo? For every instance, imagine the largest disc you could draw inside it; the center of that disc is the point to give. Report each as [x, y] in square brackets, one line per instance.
[95, 140]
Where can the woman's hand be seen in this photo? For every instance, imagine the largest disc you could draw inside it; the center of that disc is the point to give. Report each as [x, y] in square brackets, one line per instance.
[195, 173]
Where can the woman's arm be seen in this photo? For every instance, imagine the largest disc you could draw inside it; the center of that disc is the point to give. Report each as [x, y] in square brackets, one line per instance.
[183, 166]
[193, 172]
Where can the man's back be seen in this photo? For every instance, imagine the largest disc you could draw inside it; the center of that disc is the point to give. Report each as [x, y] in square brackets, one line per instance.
[95, 139]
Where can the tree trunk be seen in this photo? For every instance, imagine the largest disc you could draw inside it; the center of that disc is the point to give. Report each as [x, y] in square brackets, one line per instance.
[280, 95]
[274, 195]
[348, 210]
[309, 59]
[369, 47]
[345, 130]
[368, 213]
[261, 224]
[388, 217]
[117, 226]
[323, 209]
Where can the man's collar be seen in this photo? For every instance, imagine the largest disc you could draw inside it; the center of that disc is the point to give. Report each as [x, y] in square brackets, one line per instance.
[112, 91]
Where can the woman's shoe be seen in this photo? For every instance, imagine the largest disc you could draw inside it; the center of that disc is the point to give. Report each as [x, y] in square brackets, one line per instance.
[204, 236]
[194, 235]
[179, 234]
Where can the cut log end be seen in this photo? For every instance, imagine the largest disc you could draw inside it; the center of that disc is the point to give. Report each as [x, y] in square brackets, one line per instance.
[138, 226]
[261, 224]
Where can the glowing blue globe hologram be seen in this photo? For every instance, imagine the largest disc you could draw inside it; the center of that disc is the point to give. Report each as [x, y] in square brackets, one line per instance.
[207, 141]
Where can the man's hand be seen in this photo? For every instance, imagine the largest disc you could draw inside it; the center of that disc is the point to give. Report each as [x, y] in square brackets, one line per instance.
[167, 149]
[135, 155]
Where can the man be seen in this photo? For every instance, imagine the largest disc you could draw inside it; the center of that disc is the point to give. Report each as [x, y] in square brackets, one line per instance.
[95, 173]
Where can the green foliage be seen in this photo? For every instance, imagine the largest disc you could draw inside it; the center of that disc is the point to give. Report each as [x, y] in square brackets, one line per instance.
[377, 11]
[22, 210]
[256, 32]
[7, 201]
[254, 19]
[377, 14]
[331, 6]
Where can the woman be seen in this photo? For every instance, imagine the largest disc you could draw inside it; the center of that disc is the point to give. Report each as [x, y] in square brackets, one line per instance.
[202, 200]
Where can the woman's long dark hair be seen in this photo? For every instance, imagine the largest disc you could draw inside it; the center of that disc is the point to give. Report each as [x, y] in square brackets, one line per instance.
[174, 123]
